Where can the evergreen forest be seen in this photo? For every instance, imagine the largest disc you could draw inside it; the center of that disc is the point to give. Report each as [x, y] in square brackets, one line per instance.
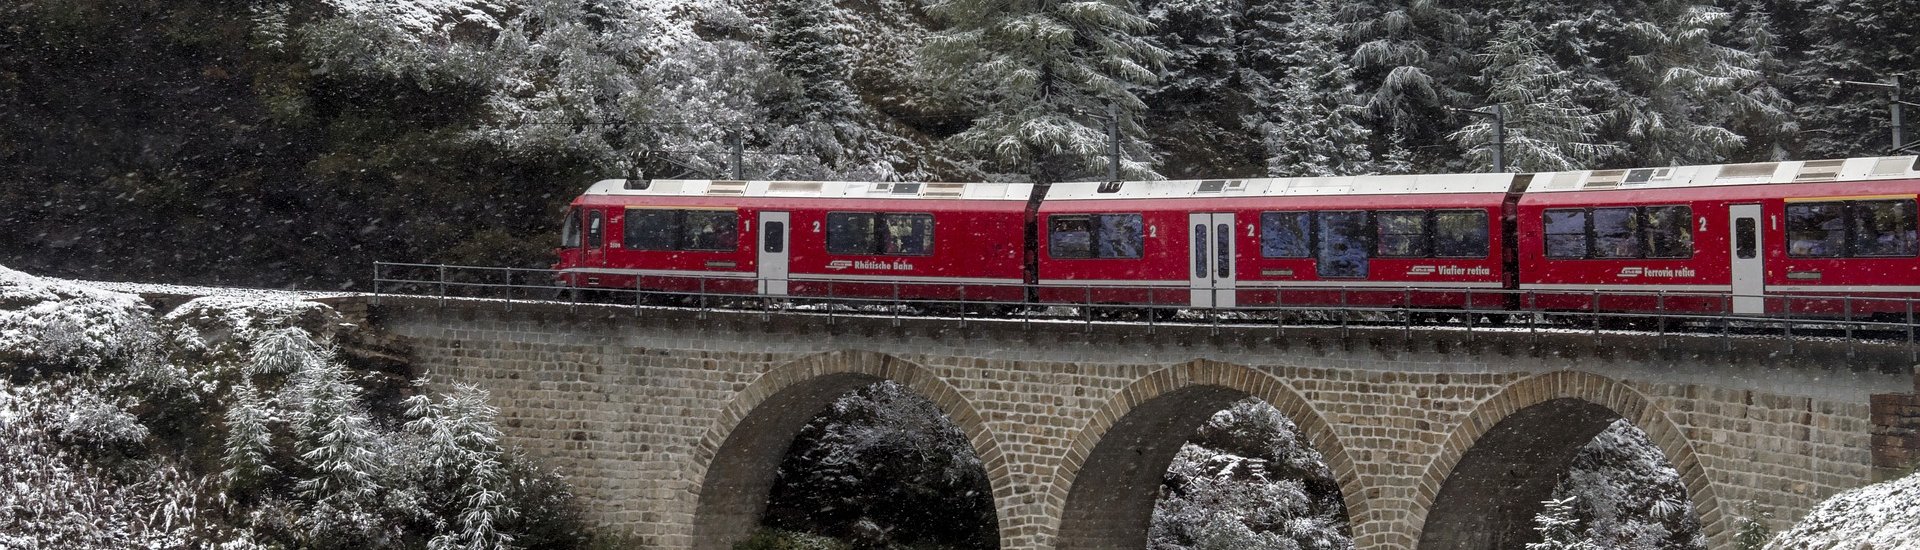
[290, 143]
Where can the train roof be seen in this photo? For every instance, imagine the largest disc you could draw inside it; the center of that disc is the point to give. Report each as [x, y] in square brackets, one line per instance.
[1415, 184]
[813, 189]
[1710, 175]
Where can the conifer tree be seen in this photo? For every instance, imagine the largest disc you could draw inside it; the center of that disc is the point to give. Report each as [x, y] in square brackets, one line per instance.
[1558, 529]
[1310, 117]
[1546, 130]
[1676, 85]
[1858, 40]
[1408, 59]
[1042, 75]
[461, 462]
[249, 439]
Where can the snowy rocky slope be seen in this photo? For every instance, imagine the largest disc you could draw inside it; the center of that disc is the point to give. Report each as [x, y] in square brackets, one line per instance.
[1883, 516]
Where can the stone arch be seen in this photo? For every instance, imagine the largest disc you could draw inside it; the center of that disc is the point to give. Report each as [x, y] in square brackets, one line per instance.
[1563, 410]
[1114, 509]
[734, 466]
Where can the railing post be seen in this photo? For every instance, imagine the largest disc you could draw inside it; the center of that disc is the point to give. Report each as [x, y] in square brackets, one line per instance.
[1595, 307]
[443, 285]
[1472, 311]
[1280, 313]
[1846, 303]
[832, 302]
[639, 295]
[1153, 308]
[376, 283]
[1660, 309]
[963, 306]
[897, 304]
[1406, 312]
[1726, 323]
[1086, 297]
[1533, 319]
[703, 297]
[1913, 353]
[1344, 309]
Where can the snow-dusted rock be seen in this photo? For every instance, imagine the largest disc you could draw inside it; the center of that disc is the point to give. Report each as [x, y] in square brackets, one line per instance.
[1882, 516]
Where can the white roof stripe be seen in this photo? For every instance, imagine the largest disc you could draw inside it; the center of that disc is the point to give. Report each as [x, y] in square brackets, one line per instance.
[816, 189]
[1759, 173]
[1286, 187]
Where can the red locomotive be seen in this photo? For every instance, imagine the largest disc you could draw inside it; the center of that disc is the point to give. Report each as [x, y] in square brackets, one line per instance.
[1816, 237]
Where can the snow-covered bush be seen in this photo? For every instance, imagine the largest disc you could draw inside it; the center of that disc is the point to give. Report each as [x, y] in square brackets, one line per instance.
[51, 323]
[1628, 496]
[240, 428]
[1247, 480]
[881, 466]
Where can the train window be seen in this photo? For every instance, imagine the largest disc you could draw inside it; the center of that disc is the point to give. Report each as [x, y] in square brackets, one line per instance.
[1460, 233]
[1095, 236]
[1883, 228]
[596, 229]
[1401, 233]
[1817, 229]
[1343, 244]
[906, 234]
[1070, 236]
[776, 241]
[710, 230]
[879, 233]
[1746, 239]
[1566, 233]
[570, 230]
[851, 233]
[1119, 235]
[1286, 234]
[1616, 233]
[651, 229]
[1669, 231]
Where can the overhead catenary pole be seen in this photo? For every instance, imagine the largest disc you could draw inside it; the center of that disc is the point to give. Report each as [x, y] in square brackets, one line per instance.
[1499, 117]
[1113, 142]
[739, 150]
[1895, 108]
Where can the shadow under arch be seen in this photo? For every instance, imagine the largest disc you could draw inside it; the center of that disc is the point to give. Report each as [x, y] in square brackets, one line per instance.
[1123, 452]
[1510, 452]
[736, 462]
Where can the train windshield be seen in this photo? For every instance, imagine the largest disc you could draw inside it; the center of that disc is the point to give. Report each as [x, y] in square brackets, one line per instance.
[570, 230]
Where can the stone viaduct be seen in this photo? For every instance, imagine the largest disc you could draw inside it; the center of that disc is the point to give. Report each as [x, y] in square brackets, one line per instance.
[670, 423]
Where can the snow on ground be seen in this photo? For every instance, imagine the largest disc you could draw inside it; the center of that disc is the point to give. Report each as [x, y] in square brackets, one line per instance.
[187, 290]
[1882, 516]
[56, 320]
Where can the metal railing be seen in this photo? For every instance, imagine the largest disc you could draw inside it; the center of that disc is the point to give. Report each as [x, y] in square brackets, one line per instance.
[1793, 318]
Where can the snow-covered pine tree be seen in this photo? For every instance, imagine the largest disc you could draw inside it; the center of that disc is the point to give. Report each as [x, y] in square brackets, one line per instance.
[1858, 40]
[249, 440]
[803, 42]
[1761, 111]
[1408, 64]
[1558, 529]
[1310, 117]
[1204, 93]
[461, 465]
[1546, 130]
[1043, 74]
[345, 462]
[1677, 84]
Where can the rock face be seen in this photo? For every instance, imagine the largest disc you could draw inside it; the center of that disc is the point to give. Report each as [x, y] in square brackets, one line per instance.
[1883, 516]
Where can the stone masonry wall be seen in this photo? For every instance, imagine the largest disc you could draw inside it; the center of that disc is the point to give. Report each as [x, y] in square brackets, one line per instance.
[636, 407]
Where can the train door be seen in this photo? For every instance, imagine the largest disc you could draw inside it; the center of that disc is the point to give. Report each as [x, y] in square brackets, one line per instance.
[1749, 271]
[773, 253]
[595, 253]
[1212, 247]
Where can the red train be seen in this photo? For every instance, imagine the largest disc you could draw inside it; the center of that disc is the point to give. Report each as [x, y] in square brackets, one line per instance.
[1762, 238]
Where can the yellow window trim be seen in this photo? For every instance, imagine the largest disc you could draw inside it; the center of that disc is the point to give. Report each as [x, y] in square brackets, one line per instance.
[1908, 196]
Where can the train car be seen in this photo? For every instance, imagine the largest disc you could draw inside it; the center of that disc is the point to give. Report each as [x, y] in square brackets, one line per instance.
[1763, 238]
[937, 241]
[1426, 240]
